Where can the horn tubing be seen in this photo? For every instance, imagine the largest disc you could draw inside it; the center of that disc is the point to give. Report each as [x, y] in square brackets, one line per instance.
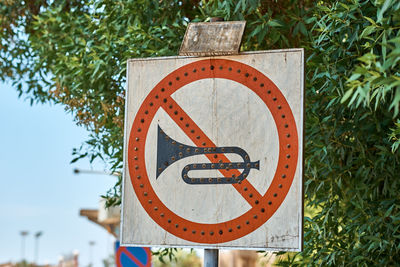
[215, 166]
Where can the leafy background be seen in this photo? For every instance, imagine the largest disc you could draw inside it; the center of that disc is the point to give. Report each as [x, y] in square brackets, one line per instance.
[73, 53]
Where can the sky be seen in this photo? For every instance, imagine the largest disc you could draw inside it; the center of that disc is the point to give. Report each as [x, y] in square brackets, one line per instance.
[38, 189]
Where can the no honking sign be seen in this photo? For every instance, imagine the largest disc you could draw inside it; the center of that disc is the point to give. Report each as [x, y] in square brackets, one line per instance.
[213, 152]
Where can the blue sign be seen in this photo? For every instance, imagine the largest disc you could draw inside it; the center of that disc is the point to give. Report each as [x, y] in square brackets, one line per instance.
[132, 256]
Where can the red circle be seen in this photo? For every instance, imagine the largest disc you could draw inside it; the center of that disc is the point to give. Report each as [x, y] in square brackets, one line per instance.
[283, 177]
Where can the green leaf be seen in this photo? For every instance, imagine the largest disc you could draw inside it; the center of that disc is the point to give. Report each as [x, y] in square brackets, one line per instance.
[373, 238]
[367, 31]
[274, 23]
[384, 45]
[346, 96]
[383, 9]
[370, 20]
[396, 103]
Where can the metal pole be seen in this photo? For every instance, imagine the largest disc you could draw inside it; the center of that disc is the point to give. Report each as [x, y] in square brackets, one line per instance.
[79, 171]
[23, 248]
[91, 244]
[36, 251]
[23, 235]
[211, 258]
[37, 235]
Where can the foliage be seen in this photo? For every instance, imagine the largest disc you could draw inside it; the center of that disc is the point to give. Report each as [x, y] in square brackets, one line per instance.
[395, 136]
[109, 261]
[351, 172]
[73, 53]
[22, 263]
[181, 258]
[163, 254]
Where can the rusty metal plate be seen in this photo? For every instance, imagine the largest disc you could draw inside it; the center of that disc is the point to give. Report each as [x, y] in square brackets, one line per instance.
[212, 38]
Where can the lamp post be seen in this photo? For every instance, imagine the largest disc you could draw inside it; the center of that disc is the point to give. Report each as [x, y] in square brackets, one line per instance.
[91, 244]
[82, 171]
[37, 235]
[23, 236]
[79, 171]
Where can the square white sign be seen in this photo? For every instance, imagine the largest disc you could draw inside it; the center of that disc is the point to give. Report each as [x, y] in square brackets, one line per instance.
[214, 152]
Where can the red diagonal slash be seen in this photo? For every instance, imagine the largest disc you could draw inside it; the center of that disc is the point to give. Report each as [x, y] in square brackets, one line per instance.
[193, 131]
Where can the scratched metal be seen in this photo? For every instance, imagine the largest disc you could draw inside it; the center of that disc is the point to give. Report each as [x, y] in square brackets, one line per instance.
[212, 38]
[170, 151]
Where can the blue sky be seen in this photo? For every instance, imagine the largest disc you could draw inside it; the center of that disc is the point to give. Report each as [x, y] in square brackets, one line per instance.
[38, 190]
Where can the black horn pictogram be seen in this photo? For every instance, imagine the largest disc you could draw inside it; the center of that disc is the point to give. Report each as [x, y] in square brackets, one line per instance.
[170, 151]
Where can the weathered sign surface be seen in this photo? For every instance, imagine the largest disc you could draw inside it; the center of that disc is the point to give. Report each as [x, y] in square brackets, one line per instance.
[212, 38]
[213, 152]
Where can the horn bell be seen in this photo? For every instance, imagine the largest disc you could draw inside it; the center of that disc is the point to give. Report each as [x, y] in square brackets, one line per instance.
[170, 151]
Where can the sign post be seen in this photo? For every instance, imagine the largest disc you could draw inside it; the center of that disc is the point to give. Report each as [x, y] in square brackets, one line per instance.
[213, 152]
[211, 257]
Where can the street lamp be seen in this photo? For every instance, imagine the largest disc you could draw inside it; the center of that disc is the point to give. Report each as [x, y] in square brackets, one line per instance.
[23, 235]
[79, 171]
[91, 244]
[37, 235]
